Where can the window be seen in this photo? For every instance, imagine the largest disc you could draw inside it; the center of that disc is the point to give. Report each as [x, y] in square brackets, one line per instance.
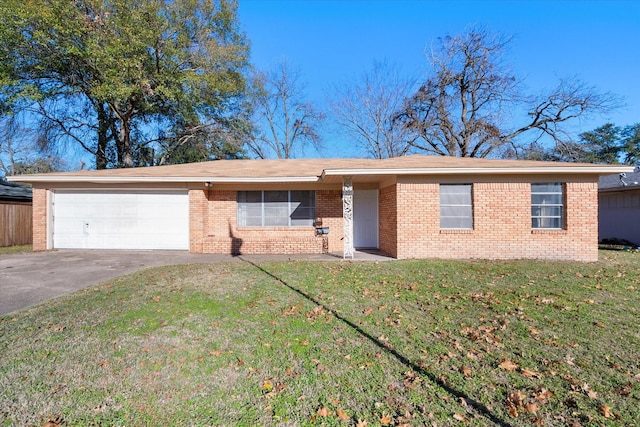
[547, 205]
[456, 209]
[276, 208]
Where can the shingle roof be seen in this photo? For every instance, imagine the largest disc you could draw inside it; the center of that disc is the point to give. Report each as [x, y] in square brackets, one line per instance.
[317, 169]
[14, 192]
[614, 182]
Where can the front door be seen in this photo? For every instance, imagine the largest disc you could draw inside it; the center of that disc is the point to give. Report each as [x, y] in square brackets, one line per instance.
[365, 219]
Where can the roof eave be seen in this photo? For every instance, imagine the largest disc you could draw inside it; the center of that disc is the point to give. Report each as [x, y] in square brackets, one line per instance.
[592, 170]
[157, 180]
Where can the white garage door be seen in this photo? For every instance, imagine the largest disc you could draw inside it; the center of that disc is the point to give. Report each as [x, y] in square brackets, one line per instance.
[121, 220]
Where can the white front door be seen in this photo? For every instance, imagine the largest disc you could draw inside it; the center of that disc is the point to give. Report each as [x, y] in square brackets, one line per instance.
[365, 219]
[112, 219]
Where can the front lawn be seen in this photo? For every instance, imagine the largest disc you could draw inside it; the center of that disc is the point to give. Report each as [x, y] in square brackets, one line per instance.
[334, 343]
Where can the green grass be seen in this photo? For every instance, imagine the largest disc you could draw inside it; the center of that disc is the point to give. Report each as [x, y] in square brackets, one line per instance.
[303, 343]
[6, 250]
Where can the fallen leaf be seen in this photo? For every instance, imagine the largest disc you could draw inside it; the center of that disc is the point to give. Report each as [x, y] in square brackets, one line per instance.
[361, 423]
[599, 324]
[342, 415]
[385, 420]
[267, 385]
[569, 359]
[624, 391]
[513, 411]
[368, 311]
[530, 374]
[323, 412]
[508, 365]
[54, 422]
[465, 370]
[515, 397]
[605, 410]
[531, 408]
[543, 395]
[459, 417]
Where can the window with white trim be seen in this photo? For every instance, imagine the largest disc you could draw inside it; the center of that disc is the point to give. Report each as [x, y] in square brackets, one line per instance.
[276, 208]
[456, 206]
[547, 206]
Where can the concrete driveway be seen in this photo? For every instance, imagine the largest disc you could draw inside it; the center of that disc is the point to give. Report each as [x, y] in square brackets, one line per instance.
[29, 278]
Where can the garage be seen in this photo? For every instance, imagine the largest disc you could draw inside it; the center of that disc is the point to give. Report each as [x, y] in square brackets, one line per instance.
[111, 219]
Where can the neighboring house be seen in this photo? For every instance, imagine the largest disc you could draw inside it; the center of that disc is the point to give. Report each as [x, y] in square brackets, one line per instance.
[619, 208]
[405, 207]
[15, 214]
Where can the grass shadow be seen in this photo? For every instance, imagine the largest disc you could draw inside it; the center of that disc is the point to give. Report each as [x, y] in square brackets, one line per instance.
[477, 406]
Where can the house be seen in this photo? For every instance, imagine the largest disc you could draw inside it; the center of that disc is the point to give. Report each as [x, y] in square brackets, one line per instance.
[405, 207]
[15, 214]
[619, 207]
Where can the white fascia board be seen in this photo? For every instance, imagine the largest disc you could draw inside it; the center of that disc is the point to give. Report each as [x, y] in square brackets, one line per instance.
[145, 179]
[599, 170]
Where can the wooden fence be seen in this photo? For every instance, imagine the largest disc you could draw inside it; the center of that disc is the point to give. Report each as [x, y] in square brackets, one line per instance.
[16, 224]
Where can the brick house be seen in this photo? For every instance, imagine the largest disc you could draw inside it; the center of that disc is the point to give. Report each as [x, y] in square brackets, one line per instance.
[406, 207]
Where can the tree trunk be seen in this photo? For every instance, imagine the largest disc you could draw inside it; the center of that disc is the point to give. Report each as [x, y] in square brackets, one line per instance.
[123, 142]
[103, 129]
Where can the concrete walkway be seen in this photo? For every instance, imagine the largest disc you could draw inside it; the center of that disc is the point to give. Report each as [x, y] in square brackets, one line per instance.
[29, 278]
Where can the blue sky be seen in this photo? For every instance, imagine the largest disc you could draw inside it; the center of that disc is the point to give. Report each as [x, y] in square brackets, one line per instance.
[333, 40]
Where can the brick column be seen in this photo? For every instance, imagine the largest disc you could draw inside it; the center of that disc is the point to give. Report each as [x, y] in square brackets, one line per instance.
[40, 226]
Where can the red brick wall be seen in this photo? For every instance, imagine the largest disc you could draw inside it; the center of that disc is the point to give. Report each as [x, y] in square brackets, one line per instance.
[198, 208]
[214, 227]
[502, 224]
[388, 220]
[39, 219]
[329, 213]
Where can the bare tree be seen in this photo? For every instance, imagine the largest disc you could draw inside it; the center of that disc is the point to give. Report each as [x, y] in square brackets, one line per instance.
[466, 107]
[364, 109]
[286, 124]
[21, 151]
